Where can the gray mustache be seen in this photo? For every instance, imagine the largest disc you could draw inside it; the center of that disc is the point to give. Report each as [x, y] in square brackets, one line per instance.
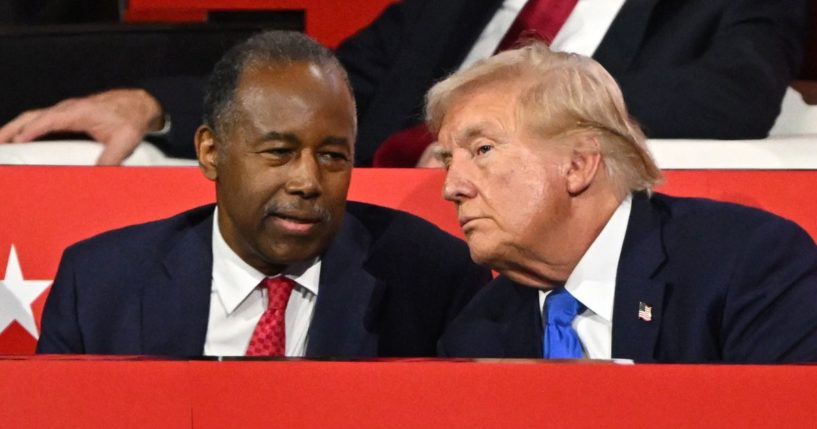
[297, 211]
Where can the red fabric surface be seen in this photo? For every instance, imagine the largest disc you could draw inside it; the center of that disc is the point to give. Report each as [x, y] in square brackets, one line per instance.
[94, 394]
[402, 394]
[403, 148]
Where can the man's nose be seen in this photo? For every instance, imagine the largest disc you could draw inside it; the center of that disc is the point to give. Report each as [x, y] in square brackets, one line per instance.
[305, 176]
[458, 185]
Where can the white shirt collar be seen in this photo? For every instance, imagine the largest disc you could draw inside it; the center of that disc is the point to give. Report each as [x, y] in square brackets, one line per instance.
[593, 281]
[234, 279]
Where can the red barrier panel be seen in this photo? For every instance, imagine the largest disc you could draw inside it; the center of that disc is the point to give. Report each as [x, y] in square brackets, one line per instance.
[45, 209]
[401, 394]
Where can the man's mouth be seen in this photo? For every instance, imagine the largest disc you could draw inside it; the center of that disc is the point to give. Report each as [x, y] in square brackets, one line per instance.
[469, 224]
[295, 223]
[465, 220]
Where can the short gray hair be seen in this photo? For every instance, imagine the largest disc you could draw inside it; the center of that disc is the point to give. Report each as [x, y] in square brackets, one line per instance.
[561, 93]
[267, 49]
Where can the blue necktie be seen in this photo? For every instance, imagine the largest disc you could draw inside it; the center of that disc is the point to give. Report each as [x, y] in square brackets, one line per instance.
[561, 340]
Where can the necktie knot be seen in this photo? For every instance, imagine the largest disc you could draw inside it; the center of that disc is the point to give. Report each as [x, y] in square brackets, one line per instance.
[269, 336]
[278, 291]
[562, 307]
[561, 340]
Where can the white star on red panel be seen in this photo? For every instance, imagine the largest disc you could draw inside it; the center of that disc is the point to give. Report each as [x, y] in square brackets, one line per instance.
[16, 296]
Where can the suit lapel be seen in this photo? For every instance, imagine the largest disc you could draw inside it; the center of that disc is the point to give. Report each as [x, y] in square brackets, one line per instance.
[642, 256]
[623, 39]
[346, 297]
[176, 304]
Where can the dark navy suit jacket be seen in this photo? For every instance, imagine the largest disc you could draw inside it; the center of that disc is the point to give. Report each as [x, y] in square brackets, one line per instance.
[389, 284]
[687, 68]
[725, 282]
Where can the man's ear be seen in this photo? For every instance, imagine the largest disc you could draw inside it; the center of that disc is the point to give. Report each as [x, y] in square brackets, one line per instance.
[585, 161]
[207, 152]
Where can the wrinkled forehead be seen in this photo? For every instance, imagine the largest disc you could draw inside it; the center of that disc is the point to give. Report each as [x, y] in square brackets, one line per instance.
[302, 78]
[480, 109]
[303, 87]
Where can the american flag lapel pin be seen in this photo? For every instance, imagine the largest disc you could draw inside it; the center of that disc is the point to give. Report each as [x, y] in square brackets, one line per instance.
[644, 311]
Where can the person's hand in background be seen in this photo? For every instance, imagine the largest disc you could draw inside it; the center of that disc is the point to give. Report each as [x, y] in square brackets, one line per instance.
[118, 118]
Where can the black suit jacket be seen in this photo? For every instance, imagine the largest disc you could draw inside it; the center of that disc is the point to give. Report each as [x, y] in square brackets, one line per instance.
[725, 282]
[711, 69]
[389, 283]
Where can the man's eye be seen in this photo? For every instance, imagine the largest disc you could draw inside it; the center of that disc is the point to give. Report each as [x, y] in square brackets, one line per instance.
[333, 157]
[483, 149]
[278, 152]
[445, 159]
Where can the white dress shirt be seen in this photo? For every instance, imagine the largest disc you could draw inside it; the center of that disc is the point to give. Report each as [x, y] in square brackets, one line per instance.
[237, 303]
[593, 283]
[581, 33]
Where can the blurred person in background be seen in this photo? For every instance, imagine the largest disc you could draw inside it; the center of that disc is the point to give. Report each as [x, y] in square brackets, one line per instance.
[715, 69]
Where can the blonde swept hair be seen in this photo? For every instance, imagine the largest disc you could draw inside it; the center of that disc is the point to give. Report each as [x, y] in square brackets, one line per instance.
[561, 93]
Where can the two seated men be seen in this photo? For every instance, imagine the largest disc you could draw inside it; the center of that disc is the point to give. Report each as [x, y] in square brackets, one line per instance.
[553, 187]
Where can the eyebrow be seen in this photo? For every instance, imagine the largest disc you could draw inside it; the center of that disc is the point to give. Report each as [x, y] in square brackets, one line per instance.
[473, 130]
[469, 133]
[293, 139]
[336, 141]
[444, 155]
[278, 136]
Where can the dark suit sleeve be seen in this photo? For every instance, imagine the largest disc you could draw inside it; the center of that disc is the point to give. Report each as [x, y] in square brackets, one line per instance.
[59, 325]
[182, 98]
[368, 55]
[733, 88]
[771, 306]
[474, 278]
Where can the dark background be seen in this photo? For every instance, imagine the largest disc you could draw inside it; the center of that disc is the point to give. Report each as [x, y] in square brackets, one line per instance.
[54, 49]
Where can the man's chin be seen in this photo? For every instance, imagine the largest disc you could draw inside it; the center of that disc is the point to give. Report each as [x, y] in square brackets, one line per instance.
[292, 249]
[483, 256]
[293, 253]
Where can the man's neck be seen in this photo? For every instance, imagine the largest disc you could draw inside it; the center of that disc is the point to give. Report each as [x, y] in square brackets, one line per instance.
[551, 264]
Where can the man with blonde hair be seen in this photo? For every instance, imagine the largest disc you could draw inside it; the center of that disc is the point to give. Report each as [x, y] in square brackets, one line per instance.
[553, 187]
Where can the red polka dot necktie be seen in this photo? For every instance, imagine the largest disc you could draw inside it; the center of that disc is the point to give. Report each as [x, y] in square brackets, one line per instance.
[269, 337]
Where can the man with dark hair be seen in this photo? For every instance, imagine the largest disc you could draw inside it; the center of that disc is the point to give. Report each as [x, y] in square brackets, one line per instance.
[282, 265]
